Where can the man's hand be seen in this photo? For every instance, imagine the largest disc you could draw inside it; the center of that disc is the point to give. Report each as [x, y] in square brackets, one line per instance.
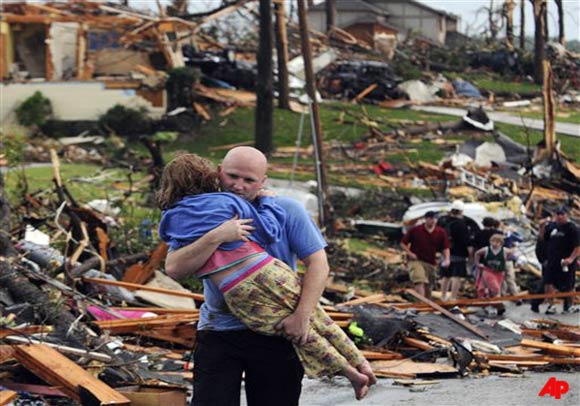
[295, 328]
[412, 256]
[445, 263]
[233, 230]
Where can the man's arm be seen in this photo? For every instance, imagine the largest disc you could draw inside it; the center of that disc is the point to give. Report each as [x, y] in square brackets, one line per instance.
[446, 257]
[296, 325]
[184, 262]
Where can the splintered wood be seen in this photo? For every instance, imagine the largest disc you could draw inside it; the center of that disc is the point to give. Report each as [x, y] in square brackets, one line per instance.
[58, 370]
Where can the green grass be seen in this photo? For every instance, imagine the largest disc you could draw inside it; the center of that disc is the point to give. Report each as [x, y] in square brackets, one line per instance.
[570, 144]
[568, 116]
[495, 83]
[239, 126]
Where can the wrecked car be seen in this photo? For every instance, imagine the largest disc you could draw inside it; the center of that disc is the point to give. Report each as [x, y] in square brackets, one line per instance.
[349, 78]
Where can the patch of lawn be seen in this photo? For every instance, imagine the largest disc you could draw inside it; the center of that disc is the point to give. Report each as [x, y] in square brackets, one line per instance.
[495, 83]
[570, 144]
[239, 126]
[567, 116]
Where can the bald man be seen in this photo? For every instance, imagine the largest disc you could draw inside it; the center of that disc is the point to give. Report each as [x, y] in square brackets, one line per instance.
[225, 348]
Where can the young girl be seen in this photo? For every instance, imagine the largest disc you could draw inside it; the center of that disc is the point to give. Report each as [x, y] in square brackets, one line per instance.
[258, 289]
[491, 263]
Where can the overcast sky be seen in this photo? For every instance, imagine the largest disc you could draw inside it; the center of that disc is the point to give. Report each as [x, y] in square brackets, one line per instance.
[472, 21]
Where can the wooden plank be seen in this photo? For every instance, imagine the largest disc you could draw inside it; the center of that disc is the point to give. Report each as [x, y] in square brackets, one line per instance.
[375, 355]
[141, 273]
[6, 353]
[58, 370]
[131, 325]
[362, 300]
[201, 111]
[158, 310]
[517, 358]
[7, 396]
[422, 345]
[365, 92]
[465, 324]
[480, 302]
[135, 286]
[551, 348]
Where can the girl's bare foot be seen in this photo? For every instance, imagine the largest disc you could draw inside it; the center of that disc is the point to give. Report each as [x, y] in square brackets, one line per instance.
[358, 381]
[366, 369]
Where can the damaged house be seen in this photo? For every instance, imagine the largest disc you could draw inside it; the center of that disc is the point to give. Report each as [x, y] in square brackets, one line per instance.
[102, 52]
[383, 23]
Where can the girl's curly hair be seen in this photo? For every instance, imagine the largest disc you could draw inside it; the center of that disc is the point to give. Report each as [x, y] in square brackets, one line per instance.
[186, 175]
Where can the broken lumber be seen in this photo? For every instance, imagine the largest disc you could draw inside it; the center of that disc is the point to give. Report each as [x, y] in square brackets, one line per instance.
[61, 348]
[134, 286]
[7, 396]
[487, 301]
[551, 348]
[141, 273]
[375, 355]
[58, 370]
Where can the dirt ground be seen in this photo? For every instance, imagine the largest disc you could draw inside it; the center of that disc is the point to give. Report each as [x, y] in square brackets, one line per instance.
[482, 391]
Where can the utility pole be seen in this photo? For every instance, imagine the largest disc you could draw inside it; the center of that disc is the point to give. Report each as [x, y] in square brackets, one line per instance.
[325, 216]
[282, 55]
[561, 34]
[522, 24]
[330, 15]
[264, 88]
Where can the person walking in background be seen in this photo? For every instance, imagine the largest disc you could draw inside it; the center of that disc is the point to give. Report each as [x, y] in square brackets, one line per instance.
[562, 248]
[491, 264]
[510, 285]
[422, 243]
[461, 249]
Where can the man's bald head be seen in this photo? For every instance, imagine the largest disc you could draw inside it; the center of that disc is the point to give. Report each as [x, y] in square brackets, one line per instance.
[247, 154]
[243, 172]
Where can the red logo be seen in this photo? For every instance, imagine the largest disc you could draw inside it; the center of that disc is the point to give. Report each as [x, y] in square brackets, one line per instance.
[554, 388]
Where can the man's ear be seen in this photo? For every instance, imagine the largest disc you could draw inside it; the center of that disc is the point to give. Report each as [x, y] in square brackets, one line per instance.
[264, 180]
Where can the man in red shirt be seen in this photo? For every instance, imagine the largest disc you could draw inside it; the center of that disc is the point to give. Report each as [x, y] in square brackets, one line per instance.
[421, 243]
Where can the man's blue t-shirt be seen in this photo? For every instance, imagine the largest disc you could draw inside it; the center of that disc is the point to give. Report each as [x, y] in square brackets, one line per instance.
[300, 239]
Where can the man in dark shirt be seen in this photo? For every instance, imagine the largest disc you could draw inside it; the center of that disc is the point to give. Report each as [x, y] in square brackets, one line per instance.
[461, 249]
[490, 227]
[562, 251]
[421, 243]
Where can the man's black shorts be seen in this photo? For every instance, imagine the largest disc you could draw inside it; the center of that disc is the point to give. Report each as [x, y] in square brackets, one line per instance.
[457, 269]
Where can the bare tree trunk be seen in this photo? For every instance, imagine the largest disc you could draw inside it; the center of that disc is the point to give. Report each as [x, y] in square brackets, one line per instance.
[522, 24]
[264, 94]
[561, 35]
[330, 15]
[326, 218]
[282, 53]
[549, 109]
[492, 25]
[539, 39]
[509, 26]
